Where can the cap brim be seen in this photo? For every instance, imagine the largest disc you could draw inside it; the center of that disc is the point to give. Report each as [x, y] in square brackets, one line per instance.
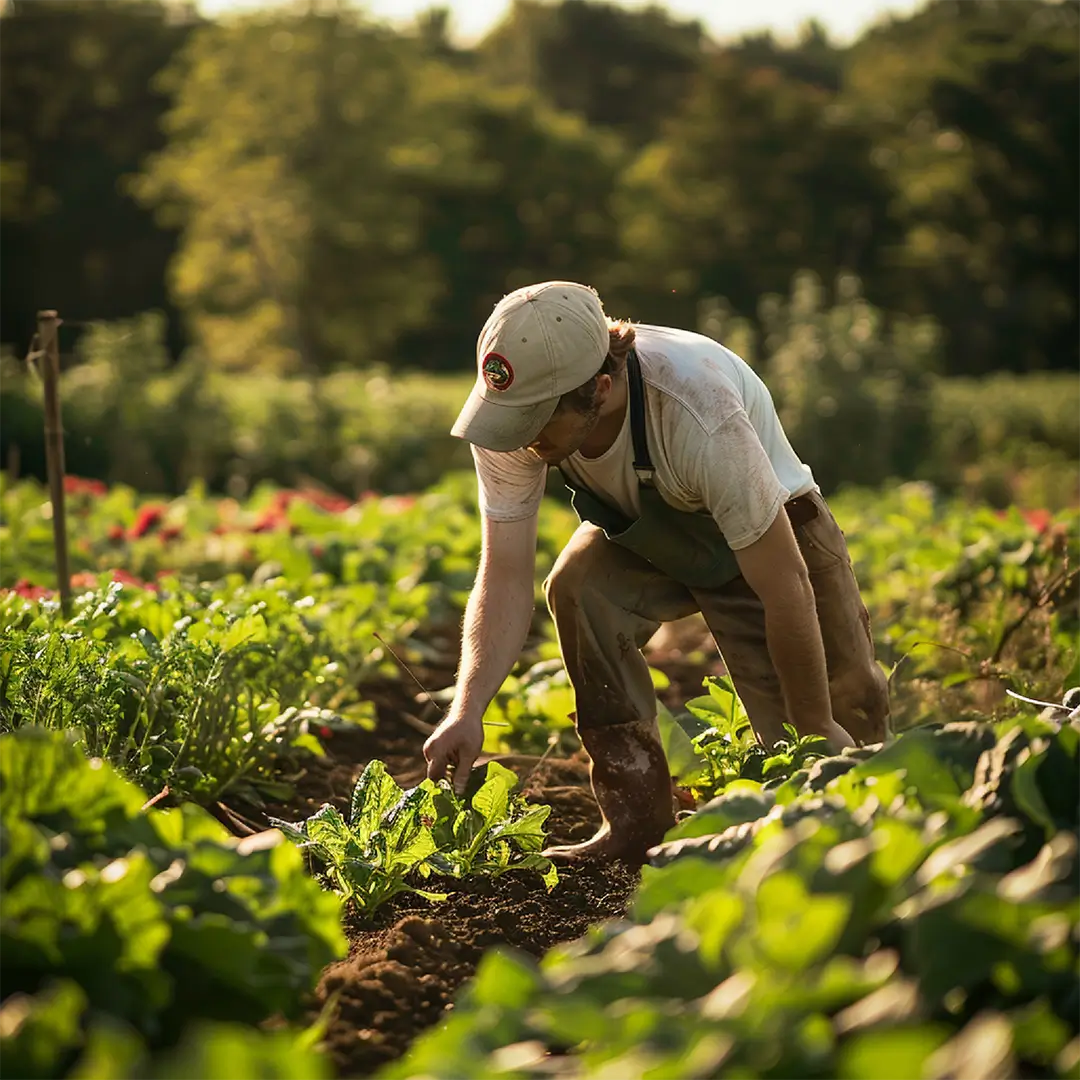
[495, 426]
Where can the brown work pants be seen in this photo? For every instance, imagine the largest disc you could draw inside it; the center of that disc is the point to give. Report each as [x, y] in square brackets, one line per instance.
[607, 602]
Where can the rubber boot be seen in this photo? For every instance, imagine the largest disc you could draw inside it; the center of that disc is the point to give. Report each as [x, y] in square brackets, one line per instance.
[632, 784]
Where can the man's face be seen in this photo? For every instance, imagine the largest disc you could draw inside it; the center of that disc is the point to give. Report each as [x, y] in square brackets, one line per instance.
[565, 432]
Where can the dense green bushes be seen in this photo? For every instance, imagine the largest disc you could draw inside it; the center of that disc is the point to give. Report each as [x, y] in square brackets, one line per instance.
[857, 392]
[129, 419]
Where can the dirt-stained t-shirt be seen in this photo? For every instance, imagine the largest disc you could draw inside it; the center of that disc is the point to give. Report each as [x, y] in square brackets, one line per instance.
[714, 437]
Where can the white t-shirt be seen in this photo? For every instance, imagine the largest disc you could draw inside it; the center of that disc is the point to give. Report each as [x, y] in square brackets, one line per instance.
[714, 438]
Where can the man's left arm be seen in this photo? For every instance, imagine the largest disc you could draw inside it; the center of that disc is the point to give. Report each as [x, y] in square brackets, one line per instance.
[774, 568]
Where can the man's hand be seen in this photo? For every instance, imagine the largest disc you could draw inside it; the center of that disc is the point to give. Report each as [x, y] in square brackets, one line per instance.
[456, 741]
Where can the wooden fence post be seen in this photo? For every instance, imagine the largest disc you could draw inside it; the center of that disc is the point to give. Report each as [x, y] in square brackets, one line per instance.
[49, 351]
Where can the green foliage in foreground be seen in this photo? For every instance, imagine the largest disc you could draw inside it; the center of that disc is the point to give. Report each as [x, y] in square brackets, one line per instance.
[394, 835]
[44, 1030]
[904, 915]
[127, 923]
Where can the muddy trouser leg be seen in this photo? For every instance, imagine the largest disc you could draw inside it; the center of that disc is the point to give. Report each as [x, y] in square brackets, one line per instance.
[607, 602]
[857, 685]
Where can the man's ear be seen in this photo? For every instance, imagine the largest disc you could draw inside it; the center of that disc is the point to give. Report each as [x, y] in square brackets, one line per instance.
[604, 384]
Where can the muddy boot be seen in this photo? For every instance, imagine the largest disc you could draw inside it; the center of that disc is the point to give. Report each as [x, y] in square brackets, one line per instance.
[632, 785]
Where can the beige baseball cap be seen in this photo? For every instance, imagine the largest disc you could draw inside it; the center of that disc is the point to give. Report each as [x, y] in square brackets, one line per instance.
[538, 343]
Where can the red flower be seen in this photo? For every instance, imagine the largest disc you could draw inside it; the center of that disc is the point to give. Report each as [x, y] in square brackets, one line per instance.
[170, 532]
[269, 520]
[23, 588]
[325, 500]
[685, 798]
[149, 519]
[1039, 520]
[325, 732]
[317, 551]
[127, 578]
[84, 580]
[115, 533]
[77, 485]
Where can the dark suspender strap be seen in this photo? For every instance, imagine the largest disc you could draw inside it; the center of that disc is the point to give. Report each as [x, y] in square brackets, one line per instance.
[643, 465]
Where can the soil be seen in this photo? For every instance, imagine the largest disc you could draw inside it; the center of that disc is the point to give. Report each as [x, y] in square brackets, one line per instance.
[407, 962]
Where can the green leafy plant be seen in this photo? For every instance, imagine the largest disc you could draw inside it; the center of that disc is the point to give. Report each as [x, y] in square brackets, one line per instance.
[153, 918]
[393, 836]
[712, 743]
[196, 709]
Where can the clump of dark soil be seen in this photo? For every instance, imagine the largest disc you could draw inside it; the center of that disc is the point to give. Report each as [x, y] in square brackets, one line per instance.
[401, 979]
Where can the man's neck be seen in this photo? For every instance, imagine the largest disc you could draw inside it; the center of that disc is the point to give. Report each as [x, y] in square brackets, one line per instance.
[610, 422]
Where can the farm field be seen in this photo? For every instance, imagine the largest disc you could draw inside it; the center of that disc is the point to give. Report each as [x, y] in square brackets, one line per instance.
[221, 859]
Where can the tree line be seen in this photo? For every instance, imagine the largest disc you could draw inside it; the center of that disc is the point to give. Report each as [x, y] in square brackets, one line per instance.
[304, 189]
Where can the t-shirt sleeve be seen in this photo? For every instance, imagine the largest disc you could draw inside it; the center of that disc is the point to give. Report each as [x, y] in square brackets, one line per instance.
[511, 485]
[737, 482]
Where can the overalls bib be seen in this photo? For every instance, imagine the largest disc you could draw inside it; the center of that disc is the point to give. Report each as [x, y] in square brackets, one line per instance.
[688, 547]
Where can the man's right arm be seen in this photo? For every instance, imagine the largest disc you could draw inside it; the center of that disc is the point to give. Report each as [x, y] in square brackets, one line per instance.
[497, 620]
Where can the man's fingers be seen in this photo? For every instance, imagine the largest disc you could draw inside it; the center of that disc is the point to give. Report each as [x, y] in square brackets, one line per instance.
[461, 779]
[438, 759]
[462, 770]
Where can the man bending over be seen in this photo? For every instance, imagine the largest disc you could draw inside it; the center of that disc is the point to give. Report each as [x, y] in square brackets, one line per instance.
[691, 499]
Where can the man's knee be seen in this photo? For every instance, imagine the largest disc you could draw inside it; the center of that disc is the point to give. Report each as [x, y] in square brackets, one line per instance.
[575, 567]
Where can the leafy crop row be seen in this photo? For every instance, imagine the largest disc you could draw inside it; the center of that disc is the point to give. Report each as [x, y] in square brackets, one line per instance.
[209, 640]
[910, 912]
[711, 744]
[963, 601]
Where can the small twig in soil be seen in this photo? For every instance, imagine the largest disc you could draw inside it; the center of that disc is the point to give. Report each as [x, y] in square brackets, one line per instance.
[413, 720]
[232, 821]
[154, 800]
[416, 723]
[553, 741]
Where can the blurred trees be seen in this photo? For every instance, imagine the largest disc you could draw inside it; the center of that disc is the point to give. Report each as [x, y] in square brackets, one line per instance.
[77, 114]
[296, 146]
[980, 140]
[759, 175]
[345, 194]
[619, 68]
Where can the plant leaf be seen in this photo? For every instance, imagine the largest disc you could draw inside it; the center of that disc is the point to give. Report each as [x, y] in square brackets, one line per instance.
[493, 797]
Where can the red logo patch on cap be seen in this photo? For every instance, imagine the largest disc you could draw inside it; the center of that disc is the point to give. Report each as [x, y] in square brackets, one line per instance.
[497, 372]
